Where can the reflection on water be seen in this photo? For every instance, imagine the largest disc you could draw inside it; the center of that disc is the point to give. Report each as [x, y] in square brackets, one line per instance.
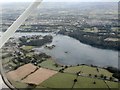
[72, 52]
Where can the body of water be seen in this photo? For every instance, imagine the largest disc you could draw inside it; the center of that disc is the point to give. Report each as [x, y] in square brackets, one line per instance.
[70, 51]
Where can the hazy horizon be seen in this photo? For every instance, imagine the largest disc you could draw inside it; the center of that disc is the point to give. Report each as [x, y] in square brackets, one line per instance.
[7, 1]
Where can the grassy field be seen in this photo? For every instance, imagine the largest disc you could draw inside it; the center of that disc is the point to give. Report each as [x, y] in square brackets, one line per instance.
[74, 69]
[105, 72]
[60, 80]
[27, 48]
[30, 54]
[89, 70]
[90, 30]
[86, 70]
[112, 84]
[9, 66]
[27, 26]
[84, 82]
[49, 64]
[66, 80]
[6, 60]
[18, 84]
[40, 87]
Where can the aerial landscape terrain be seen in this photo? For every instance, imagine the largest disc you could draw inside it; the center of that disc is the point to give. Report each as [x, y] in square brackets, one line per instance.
[64, 45]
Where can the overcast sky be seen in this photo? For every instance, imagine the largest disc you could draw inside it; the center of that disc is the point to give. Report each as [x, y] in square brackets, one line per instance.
[4, 1]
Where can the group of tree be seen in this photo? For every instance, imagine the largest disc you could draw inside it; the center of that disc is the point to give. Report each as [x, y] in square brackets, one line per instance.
[115, 71]
[35, 41]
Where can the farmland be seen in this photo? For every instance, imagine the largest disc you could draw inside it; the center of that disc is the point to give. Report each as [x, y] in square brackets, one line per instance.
[50, 64]
[62, 76]
[66, 79]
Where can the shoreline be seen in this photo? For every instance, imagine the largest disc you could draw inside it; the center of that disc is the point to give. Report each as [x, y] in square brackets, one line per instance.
[100, 46]
[61, 64]
[95, 46]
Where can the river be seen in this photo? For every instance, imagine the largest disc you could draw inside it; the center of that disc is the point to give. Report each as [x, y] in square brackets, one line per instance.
[70, 51]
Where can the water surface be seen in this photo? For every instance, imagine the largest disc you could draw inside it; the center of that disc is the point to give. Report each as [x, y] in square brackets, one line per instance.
[70, 51]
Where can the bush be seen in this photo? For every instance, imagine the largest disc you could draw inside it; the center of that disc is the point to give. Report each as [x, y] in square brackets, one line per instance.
[113, 70]
[75, 80]
[94, 82]
[95, 75]
[66, 66]
[105, 77]
[116, 75]
[90, 75]
[101, 75]
[61, 70]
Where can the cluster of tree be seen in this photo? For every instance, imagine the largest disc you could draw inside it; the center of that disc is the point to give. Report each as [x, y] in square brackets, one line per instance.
[21, 58]
[115, 71]
[36, 42]
[38, 28]
[93, 39]
[6, 55]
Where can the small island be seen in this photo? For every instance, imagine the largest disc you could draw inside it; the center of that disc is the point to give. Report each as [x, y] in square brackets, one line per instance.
[49, 46]
[66, 52]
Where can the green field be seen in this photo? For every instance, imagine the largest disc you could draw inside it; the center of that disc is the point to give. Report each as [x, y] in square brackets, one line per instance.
[50, 64]
[27, 48]
[6, 60]
[66, 79]
[74, 69]
[112, 84]
[86, 70]
[105, 72]
[9, 64]
[90, 30]
[60, 80]
[30, 54]
[84, 82]
[18, 84]
[26, 26]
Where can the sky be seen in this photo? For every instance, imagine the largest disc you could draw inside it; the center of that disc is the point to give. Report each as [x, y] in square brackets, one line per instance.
[4, 1]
